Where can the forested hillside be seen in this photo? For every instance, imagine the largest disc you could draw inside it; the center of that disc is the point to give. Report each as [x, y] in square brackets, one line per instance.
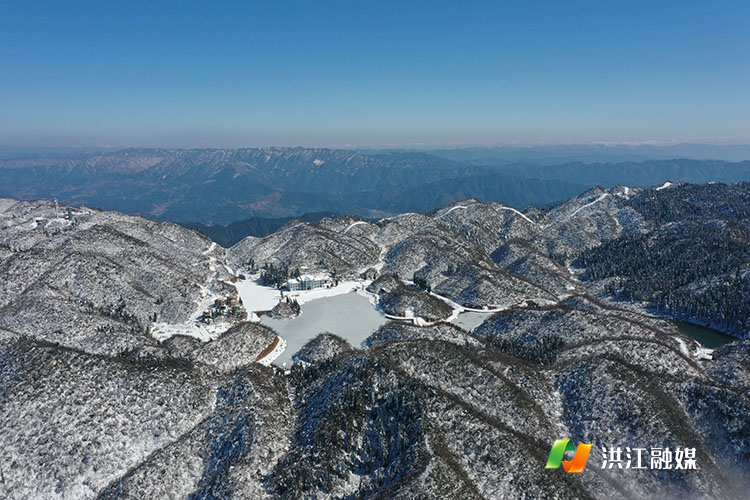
[95, 402]
[693, 263]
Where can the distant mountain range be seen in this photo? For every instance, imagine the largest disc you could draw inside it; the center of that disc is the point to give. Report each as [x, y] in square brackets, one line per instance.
[593, 153]
[222, 186]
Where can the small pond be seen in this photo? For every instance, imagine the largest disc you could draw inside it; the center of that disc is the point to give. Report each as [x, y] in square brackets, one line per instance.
[707, 336]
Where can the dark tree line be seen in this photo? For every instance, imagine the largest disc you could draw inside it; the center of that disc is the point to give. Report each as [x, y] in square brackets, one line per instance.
[421, 283]
[277, 277]
[542, 351]
[691, 270]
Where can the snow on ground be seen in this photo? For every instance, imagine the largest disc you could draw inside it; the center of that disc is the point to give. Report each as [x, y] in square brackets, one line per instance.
[683, 346]
[210, 248]
[192, 327]
[353, 224]
[469, 320]
[454, 305]
[460, 308]
[573, 272]
[60, 222]
[271, 356]
[664, 186]
[517, 212]
[420, 321]
[304, 296]
[256, 297]
[700, 351]
[381, 260]
[704, 353]
[450, 210]
[600, 198]
[278, 236]
[202, 332]
[373, 298]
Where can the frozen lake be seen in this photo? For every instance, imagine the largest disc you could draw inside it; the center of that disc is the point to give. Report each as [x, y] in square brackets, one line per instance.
[350, 316]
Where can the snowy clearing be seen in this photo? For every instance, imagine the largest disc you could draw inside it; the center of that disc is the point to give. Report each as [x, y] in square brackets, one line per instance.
[664, 186]
[204, 333]
[256, 297]
[305, 296]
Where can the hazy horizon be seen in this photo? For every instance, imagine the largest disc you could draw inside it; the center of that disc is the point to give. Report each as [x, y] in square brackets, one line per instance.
[381, 147]
[373, 74]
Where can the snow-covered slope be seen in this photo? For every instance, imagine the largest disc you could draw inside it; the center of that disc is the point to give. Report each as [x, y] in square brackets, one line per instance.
[92, 406]
[309, 247]
[98, 282]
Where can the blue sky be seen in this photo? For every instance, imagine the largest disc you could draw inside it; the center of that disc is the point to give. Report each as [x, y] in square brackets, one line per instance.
[373, 73]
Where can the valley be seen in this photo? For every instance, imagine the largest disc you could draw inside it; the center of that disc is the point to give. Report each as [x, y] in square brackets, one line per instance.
[428, 352]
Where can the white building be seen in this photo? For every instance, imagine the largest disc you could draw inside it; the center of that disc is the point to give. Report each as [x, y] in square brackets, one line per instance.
[307, 282]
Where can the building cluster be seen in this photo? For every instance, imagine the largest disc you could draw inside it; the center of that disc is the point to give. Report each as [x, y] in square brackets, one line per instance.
[230, 308]
[527, 303]
[307, 282]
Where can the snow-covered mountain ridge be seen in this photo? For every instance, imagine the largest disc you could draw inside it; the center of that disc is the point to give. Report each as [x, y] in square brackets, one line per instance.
[92, 405]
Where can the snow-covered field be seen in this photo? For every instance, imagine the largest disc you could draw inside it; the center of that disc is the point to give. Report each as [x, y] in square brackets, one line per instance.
[470, 320]
[256, 297]
[344, 287]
